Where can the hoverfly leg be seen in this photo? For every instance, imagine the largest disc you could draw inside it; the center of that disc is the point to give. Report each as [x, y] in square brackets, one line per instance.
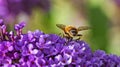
[60, 34]
[79, 36]
[68, 39]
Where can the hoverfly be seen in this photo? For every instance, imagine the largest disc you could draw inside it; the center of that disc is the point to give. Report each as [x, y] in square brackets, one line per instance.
[71, 31]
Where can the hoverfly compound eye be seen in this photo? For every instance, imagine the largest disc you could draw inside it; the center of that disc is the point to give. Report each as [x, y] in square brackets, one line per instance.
[73, 32]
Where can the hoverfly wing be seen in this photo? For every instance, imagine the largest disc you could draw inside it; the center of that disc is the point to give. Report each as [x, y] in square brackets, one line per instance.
[61, 26]
[83, 28]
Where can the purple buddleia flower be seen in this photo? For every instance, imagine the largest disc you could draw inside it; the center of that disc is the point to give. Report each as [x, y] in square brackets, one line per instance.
[37, 49]
[117, 2]
[10, 9]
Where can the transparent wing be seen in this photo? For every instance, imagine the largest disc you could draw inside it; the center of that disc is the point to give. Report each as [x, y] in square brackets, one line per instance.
[61, 26]
[83, 28]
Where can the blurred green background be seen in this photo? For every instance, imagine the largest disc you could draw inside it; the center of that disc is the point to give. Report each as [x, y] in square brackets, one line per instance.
[102, 15]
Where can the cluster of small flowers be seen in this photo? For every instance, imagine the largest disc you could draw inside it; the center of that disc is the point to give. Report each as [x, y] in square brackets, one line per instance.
[12, 8]
[117, 2]
[37, 49]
